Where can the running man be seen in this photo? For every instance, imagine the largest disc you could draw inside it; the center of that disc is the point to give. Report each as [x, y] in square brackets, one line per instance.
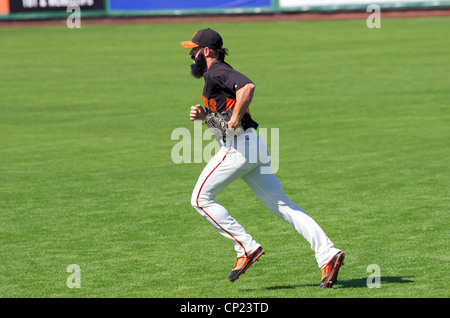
[226, 88]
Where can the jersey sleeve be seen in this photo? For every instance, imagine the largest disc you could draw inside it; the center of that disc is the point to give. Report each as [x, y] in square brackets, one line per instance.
[233, 80]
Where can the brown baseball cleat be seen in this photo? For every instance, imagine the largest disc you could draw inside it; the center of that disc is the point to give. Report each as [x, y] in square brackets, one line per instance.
[330, 272]
[243, 263]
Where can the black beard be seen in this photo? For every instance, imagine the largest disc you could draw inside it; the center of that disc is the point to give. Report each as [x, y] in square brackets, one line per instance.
[199, 67]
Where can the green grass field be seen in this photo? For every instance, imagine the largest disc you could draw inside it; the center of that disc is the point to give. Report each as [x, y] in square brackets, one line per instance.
[86, 175]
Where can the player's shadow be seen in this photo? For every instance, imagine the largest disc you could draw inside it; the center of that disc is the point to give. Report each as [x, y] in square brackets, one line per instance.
[352, 283]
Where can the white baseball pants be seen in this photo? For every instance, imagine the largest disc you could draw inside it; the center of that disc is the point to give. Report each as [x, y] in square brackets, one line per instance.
[245, 157]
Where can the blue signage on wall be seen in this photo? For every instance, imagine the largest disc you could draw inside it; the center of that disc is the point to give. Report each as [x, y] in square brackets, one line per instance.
[185, 4]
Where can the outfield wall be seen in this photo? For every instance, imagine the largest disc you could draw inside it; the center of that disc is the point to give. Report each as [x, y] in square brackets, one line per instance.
[48, 9]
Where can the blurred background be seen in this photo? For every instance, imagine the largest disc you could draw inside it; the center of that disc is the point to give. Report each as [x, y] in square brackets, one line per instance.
[46, 9]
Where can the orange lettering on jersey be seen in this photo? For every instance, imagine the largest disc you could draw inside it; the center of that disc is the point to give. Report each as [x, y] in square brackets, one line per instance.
[212, 104]
[205, 101]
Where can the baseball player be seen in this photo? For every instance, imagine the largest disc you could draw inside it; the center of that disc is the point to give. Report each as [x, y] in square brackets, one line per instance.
[228, 91]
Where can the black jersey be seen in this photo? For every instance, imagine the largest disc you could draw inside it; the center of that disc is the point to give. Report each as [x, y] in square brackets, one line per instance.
[221, 84]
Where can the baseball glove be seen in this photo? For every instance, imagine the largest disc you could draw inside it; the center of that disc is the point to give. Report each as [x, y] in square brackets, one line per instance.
[218, 123]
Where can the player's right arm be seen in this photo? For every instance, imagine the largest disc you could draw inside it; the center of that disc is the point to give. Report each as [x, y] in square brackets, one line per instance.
[244, 97]
[197, 112]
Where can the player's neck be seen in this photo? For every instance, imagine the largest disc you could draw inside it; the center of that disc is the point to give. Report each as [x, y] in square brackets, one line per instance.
[210, 61]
